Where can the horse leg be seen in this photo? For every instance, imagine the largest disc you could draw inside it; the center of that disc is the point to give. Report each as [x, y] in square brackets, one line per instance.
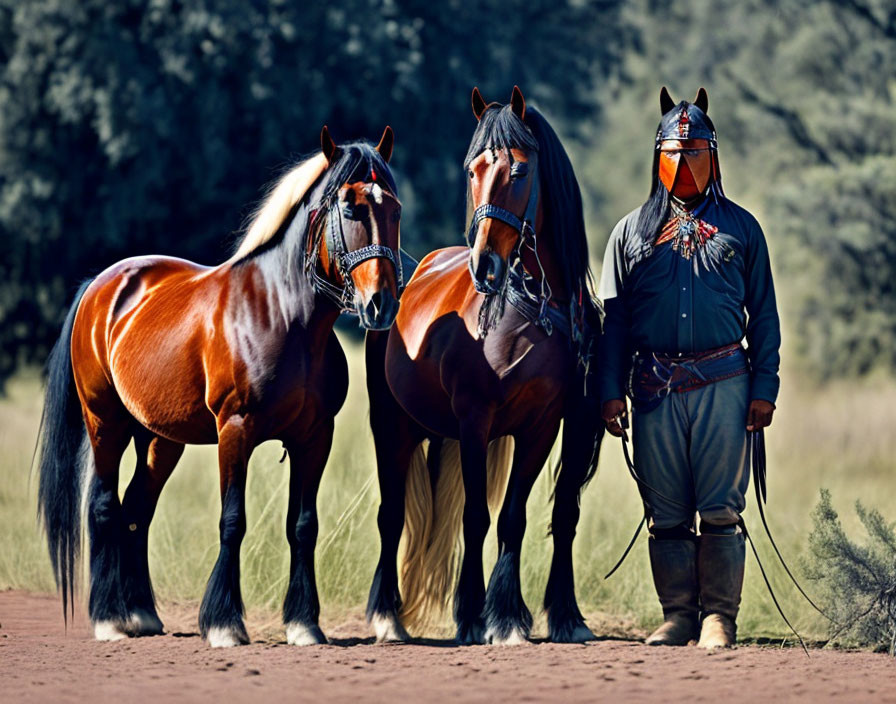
[581, 440]
[507, 620]
[106, 605]
[469, 598]
[395, 438]
[301, 609]
[221, 612]
[156, 459]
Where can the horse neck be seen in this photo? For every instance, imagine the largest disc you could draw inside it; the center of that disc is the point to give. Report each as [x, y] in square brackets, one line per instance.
[292, 300]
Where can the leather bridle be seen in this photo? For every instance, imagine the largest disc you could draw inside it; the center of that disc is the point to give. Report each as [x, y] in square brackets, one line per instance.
[533, 306]
[344, 260]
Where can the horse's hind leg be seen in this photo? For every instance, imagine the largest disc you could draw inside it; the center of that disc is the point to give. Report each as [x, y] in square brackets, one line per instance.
[156, 459]
[301, 609]
[565, 621]
[107, 606]
[507, 620]
[221, 612]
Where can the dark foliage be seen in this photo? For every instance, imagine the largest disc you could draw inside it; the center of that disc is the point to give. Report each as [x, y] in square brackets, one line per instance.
[135, 128]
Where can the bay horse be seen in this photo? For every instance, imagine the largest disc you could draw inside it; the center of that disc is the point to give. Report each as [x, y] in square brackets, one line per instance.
[167, 352]
[491, 342]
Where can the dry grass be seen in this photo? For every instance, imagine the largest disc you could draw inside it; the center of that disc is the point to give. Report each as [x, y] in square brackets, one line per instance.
[839, 437]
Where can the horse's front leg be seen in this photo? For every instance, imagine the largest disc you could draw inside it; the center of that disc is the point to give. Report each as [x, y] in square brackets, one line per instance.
[582, 436]
[301, 609]
[507, 619]
[221, 613]
[469, 598]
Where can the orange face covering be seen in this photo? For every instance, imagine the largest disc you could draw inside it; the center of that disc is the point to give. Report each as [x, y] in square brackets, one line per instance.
[685, 167]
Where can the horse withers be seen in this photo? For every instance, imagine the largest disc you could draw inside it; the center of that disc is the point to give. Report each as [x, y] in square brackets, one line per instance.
[490, 348]
[167, 352]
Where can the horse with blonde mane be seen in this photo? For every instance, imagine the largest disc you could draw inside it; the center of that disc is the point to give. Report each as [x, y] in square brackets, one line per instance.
[167, 352]
[489, 353]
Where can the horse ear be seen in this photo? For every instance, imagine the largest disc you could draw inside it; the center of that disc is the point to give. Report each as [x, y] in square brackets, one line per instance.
[666, 102]
[518, 103]
[327, 145]
[702, 100]
[479, 104]
[386, 143]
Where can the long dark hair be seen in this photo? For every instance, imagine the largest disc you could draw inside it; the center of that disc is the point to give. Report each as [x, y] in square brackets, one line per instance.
[655, 210]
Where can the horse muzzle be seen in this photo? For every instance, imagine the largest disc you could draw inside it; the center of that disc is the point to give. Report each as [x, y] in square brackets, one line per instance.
[489, 272]
[379, 312]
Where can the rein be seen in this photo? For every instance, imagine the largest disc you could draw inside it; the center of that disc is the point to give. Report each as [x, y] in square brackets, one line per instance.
[758, 462]
[342, 259]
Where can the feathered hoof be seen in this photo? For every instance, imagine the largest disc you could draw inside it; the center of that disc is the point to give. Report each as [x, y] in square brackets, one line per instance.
[388, 629]
[513, 636]
[109, 631]
[227, 636]
[574, 632]
[304, 634]
[471, 634]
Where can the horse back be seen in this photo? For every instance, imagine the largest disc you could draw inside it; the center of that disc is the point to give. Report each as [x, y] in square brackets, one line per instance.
[141, 334]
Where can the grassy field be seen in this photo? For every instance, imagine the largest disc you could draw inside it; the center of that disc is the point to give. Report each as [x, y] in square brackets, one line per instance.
[839, 437]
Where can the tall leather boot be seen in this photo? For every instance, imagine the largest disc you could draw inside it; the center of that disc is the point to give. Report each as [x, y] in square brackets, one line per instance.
[674, 566]
[720, 568]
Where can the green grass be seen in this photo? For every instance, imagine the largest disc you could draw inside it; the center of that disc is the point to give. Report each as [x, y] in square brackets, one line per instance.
[839, 437]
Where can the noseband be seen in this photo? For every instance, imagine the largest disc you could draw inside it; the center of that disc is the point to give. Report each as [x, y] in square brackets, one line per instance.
[345, 260]
[495, 212]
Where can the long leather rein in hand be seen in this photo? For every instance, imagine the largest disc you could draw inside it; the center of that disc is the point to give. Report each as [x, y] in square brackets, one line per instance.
[758, 462]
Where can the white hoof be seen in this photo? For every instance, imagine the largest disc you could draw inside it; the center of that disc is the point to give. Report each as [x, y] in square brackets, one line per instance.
[219, 637]
[108, 630]
[388, 629]
[515, 637]
[303, 634]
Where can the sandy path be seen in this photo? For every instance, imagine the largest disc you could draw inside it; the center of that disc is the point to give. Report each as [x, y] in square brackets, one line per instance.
[38, 662]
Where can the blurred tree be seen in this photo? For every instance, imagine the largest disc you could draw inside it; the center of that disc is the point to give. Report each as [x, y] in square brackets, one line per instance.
[149, 126]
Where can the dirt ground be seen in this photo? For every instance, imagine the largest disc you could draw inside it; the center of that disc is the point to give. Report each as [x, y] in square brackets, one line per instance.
[39, 662]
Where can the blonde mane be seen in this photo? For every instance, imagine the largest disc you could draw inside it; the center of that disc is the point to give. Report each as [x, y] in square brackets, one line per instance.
[288, 191]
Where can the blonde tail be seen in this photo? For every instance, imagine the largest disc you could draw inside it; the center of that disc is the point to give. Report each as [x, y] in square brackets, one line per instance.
[431, 544]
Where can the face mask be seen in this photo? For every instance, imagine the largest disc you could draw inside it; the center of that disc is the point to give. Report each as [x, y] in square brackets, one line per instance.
[685, 172]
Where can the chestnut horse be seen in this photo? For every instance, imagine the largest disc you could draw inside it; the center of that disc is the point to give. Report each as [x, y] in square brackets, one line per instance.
[489, 342]
[167, 352]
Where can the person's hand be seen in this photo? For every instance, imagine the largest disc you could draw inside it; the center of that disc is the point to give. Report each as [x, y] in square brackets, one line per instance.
[760, 414]
[610, 413]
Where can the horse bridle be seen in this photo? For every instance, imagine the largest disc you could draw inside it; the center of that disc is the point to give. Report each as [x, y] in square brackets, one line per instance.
[526, 229]
[344, 260]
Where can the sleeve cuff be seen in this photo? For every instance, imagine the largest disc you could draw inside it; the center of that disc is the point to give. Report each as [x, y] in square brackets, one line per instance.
[765, 388]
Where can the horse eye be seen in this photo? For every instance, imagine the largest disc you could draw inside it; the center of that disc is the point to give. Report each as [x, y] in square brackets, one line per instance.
[472, 175]
[519, 169]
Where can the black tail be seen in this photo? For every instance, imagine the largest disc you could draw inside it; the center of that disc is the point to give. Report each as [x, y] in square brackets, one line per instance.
[61, 436]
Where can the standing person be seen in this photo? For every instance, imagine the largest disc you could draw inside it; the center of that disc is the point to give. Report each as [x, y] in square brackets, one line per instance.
[685, 279]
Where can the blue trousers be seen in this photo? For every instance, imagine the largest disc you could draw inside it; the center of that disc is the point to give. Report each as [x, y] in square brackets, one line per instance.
[693, 449]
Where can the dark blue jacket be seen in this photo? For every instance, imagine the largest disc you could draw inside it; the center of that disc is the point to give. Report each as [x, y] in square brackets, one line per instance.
[656, 300]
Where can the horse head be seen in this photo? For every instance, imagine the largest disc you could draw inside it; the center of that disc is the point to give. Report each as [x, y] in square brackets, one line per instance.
[359, 249]
[502, 166]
